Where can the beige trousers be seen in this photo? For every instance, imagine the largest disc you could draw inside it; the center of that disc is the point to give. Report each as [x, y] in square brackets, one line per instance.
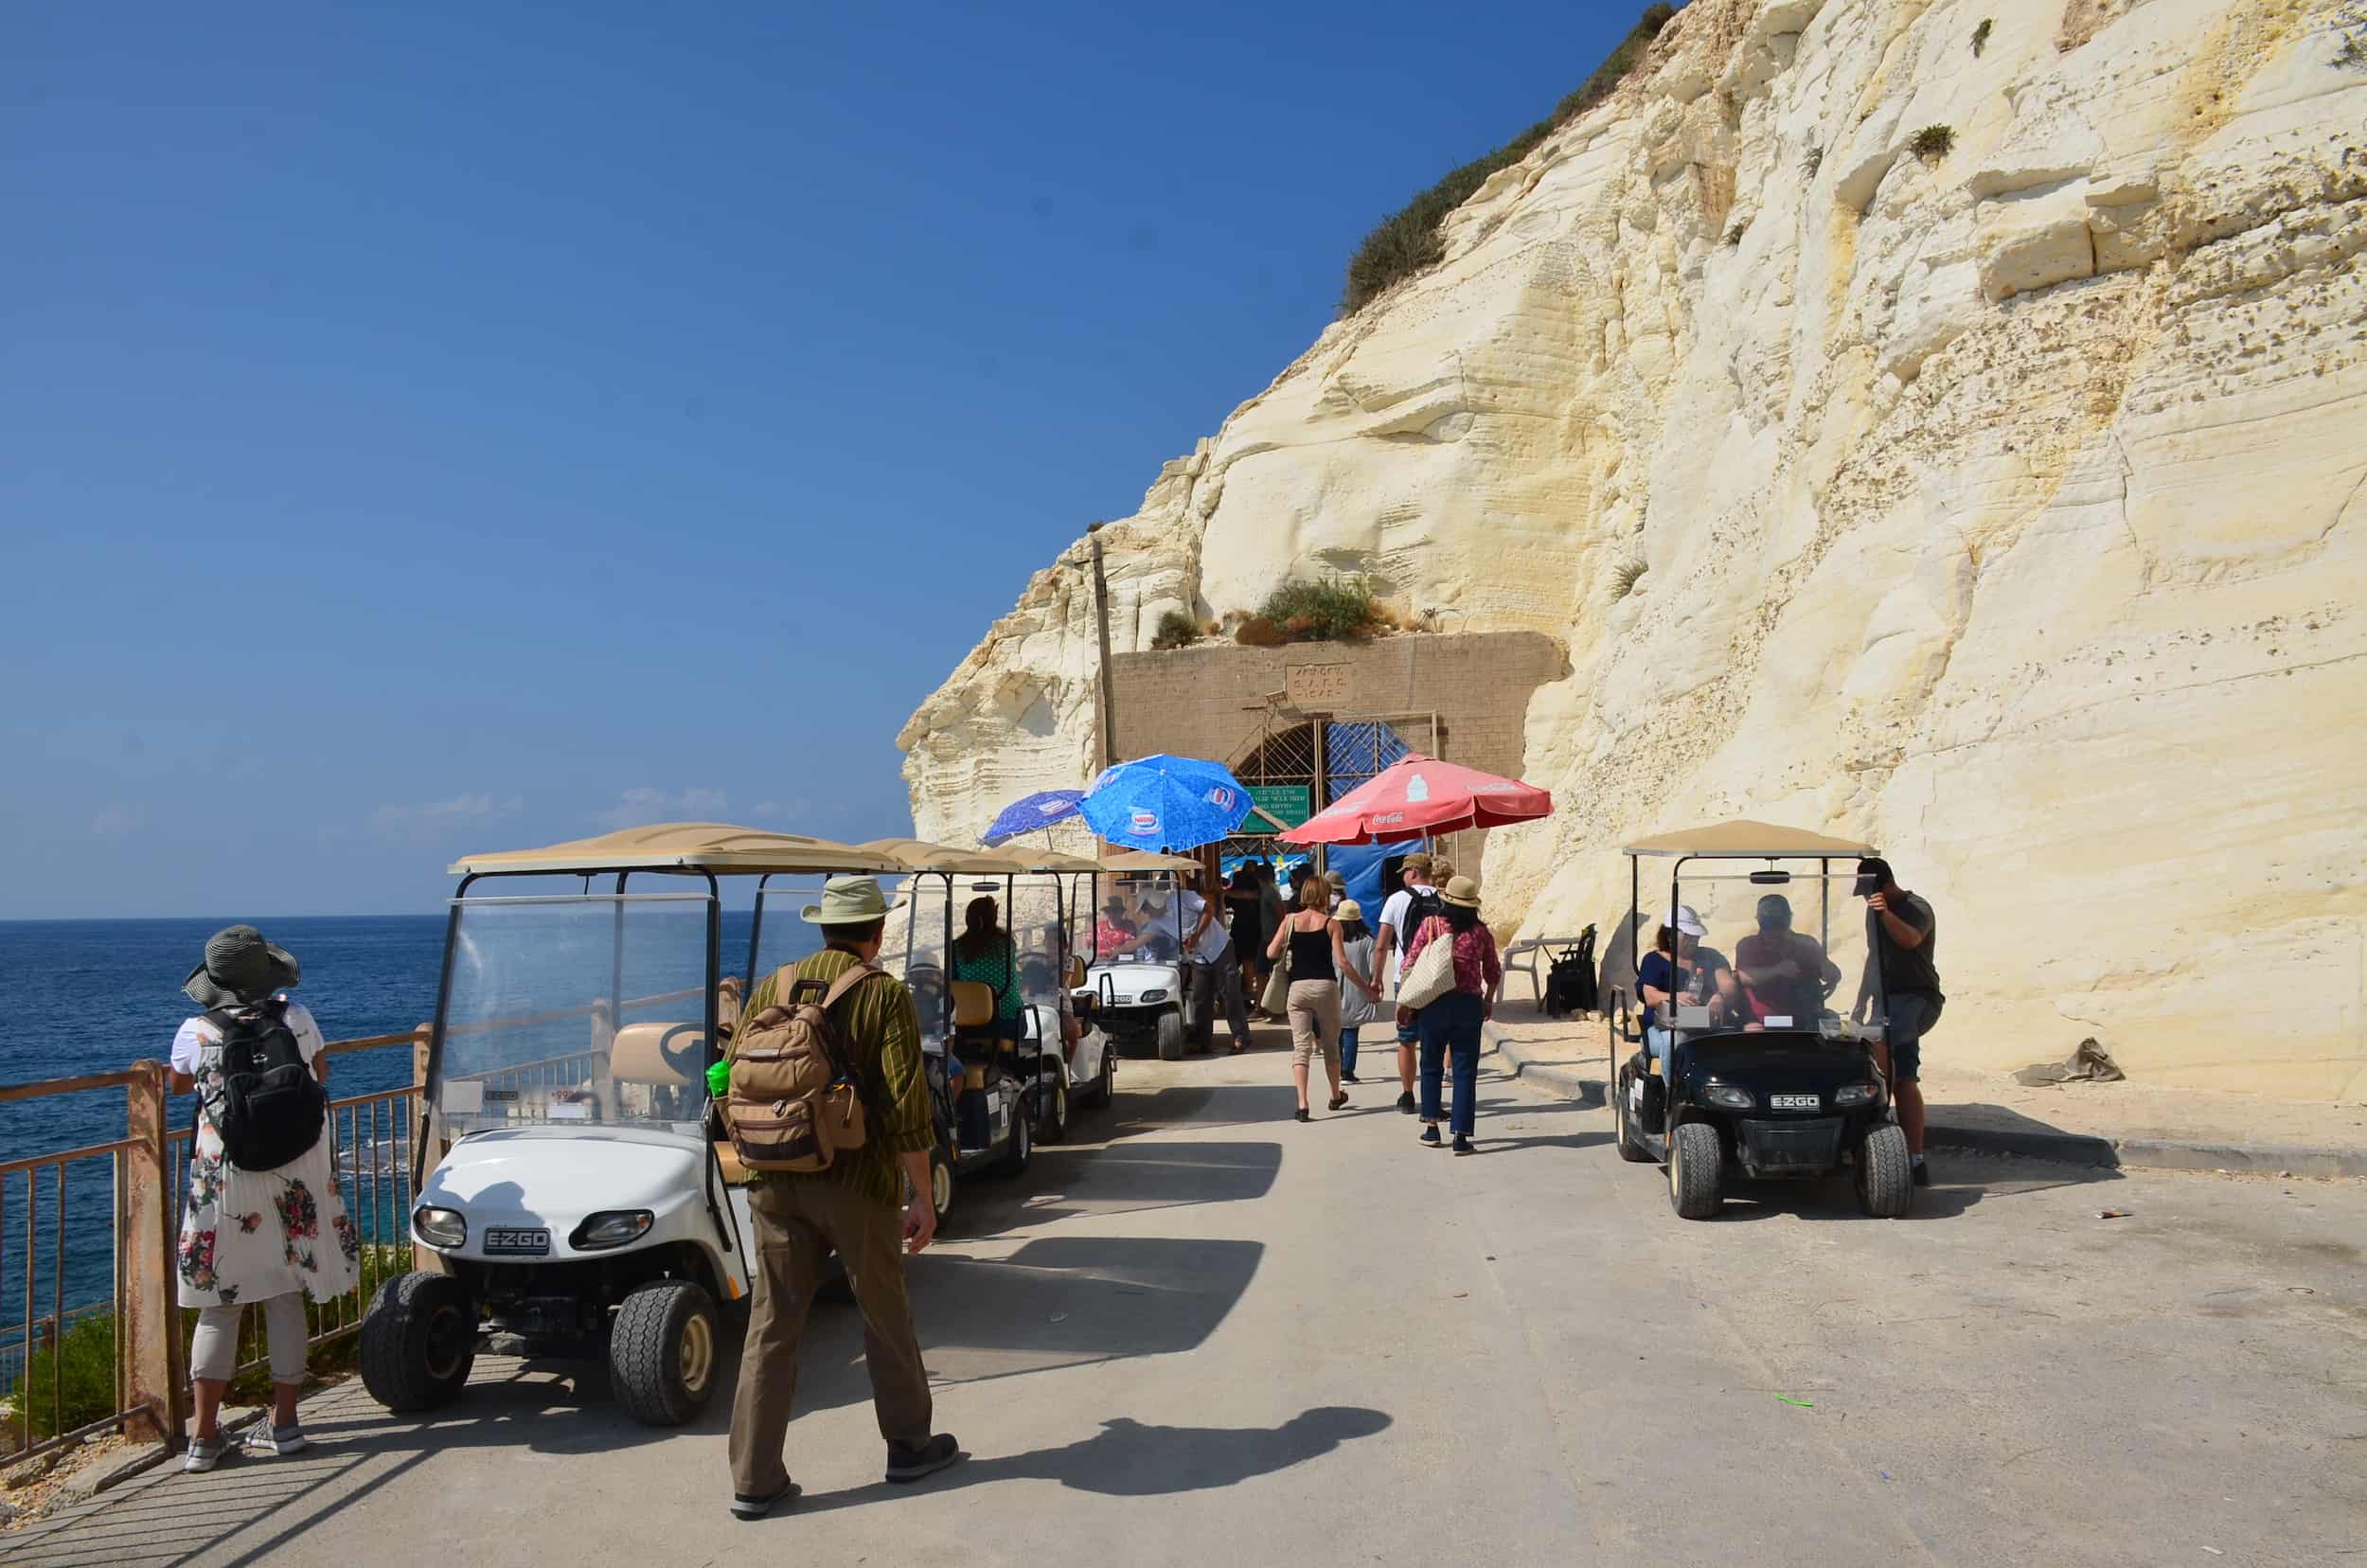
[1315, 1022]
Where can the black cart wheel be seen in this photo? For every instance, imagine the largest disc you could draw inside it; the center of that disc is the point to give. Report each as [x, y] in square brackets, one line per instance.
[1695, 1163]
[1630, 1150]
[1014, 1161]
[660, 1352]
[418, 1340]
[940, 1183]
[1053, 1126]
[1886, 1180]
[1171, 1036]
[1108, 1089]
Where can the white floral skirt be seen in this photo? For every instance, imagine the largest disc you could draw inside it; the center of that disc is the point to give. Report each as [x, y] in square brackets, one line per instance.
[251, 1234]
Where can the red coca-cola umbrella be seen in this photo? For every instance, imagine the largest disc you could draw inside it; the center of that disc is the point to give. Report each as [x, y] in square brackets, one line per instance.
[1421, 794]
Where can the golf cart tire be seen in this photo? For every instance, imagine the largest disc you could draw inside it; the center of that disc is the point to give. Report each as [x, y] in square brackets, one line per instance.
[1885, 1176]
[1172, 1039]
[1630, 1150]
[1695, 1164]
[1107, 1086]
[1023, 1149]
[662, 1352]
[419, 1340]
[940, 1184]
[1053, 1126]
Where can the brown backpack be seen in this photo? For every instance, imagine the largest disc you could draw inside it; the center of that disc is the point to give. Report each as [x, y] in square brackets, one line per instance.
[796, 1103]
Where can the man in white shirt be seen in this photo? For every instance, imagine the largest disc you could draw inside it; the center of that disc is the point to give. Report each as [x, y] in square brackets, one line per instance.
[1215, 970]
[1397, 922]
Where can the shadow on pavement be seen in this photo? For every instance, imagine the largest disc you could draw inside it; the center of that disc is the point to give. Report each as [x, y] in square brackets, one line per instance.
[2000, 1130]
[1057, 1302]
[1130, 1177]
[1127, 1458]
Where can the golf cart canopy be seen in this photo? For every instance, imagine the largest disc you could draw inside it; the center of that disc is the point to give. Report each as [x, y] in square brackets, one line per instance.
[712, 846]
[1146, 860]
[919, 855]
[1743, 839]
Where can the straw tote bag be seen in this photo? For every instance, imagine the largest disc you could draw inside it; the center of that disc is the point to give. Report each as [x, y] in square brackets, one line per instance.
[1432, 973]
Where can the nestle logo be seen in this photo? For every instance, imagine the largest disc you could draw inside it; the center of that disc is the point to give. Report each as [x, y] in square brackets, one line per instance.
[1145, 822]
[1220, 798]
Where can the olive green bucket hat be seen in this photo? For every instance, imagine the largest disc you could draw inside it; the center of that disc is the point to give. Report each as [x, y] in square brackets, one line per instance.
[240, 969]
[849, 901]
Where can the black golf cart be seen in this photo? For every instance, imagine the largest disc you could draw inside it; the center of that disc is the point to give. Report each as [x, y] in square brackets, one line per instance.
[1763, 1076]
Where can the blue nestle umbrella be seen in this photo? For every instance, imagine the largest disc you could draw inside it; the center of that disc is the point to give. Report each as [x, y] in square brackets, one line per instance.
[1165, 803]
[1033, 813]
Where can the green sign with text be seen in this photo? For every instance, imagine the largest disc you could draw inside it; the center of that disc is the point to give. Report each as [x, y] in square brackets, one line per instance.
[1288, 804]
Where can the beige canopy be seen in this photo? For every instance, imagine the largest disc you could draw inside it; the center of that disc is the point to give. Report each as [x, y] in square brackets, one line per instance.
[913, 855]
[1146, 860]
[685, 845]
[1743, 839]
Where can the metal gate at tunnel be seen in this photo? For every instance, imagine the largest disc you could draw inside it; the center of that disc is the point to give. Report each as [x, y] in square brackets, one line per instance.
[1327, 755]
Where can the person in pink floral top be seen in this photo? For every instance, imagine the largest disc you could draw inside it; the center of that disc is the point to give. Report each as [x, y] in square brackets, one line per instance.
[253, 1236]
[1450, 1028]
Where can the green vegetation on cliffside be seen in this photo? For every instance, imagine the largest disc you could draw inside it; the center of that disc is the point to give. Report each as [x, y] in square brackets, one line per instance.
[1407, 240]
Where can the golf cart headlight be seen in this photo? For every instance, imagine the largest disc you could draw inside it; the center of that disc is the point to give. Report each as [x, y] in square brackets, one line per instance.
[612, 1229]
[1155, 994]
[1855, 1093]
[1730, 1098]
[440, 1227]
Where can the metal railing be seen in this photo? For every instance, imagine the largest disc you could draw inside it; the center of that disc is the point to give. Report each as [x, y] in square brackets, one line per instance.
[61, 1378]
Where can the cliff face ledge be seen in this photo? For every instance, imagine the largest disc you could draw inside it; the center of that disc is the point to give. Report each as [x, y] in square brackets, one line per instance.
[2003, 505]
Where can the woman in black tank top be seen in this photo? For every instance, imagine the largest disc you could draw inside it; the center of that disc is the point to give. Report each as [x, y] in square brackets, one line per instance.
[1318, 963]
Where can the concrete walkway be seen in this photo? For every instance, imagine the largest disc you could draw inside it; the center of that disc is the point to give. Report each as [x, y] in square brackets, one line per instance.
[2107, 1124]
[1226, 1338]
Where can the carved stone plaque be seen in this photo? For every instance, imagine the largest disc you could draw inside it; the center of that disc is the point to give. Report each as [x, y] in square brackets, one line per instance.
[1319, 687]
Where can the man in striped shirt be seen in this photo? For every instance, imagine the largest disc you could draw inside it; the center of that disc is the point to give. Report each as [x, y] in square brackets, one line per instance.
[850, 1207]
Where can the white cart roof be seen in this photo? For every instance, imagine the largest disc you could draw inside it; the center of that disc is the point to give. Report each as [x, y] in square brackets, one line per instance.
[1743, 839]
[716, 847]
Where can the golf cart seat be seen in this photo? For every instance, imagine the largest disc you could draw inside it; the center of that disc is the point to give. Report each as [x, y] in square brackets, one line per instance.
[669, 1056]
[974, 1005]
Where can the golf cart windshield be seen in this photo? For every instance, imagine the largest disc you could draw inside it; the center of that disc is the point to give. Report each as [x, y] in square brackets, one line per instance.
[783, 935]
[1148, 919]
[1782, 945]
[574, 1010]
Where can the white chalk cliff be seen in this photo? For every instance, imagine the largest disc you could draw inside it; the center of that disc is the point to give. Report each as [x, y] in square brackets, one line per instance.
[2007, 505]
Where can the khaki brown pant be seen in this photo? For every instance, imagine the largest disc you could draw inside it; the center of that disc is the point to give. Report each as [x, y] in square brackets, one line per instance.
[795, 1219]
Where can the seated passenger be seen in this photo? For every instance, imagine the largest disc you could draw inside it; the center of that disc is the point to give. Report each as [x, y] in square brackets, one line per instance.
[1114, 934]
[1682, 971]
[1784, 973]
[984, 953]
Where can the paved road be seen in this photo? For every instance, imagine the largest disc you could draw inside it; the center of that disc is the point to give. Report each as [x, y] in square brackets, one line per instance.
[1223, 1338]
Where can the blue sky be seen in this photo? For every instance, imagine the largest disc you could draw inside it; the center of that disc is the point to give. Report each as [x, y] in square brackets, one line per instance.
[439, 427]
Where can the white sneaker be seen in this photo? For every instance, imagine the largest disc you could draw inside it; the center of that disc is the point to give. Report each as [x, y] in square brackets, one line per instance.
[278, 1442]
[202, 1455]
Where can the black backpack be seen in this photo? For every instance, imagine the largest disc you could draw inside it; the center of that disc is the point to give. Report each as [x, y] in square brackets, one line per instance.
[1420, 907]
[270, 1106]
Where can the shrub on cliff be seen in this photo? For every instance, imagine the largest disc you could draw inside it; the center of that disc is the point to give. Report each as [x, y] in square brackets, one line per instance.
[1407, 240]
[1176, 630]
[1339, 610]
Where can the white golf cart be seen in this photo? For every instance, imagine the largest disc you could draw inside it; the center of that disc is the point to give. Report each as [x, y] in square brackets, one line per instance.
[578, 1203]
[1002, 1070]
[1142, 988]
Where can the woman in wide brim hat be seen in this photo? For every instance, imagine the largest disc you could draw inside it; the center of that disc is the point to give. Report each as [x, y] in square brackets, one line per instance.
[266, 1238]
[240, 969]
[1450, 1025]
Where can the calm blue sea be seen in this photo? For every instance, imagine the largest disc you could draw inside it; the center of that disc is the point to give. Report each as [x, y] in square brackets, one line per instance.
[88, 996]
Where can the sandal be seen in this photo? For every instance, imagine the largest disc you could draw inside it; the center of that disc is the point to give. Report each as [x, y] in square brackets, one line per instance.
[1339, 1099]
